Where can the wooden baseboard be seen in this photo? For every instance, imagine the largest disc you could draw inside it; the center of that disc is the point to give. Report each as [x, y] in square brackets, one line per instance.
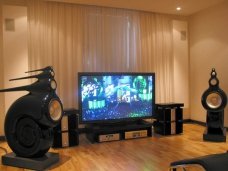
[82, 130]
[2, 138]
[195, 122]
[187, 120]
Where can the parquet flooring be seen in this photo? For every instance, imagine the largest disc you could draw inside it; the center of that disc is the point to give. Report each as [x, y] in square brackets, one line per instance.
[145, 154]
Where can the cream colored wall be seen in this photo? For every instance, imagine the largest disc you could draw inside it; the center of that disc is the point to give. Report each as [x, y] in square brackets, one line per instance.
[208, 49]
[181, 65]
[15, 53]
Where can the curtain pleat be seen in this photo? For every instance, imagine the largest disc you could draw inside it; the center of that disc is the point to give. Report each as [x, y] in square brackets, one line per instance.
[157, 52]
[76, 38]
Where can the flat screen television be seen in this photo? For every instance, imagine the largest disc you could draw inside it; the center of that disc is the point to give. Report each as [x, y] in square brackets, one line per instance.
[114, 97]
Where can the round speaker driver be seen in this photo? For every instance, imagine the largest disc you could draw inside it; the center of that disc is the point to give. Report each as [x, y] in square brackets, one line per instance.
[213, 82]
[214, 100]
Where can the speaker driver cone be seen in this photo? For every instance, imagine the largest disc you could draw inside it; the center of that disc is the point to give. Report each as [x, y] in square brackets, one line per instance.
[213, 82]
[214, 100]
[55, 110]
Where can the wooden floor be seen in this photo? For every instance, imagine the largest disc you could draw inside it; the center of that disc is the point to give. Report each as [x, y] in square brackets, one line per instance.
[145, 154]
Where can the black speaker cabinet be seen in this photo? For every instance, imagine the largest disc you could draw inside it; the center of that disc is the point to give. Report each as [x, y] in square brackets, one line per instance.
[66, 133]
[169, 118]
[31, 118]
[65, 139]
[168, 128]
[214, 100]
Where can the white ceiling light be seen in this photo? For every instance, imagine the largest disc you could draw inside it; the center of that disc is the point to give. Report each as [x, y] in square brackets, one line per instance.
[178, 8]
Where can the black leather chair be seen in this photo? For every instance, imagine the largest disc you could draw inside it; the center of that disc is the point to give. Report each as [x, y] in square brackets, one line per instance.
[214, 162]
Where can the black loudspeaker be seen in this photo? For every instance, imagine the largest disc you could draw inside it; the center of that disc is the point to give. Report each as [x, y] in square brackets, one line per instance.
[30, 119]
[214, 100]
[66, 133]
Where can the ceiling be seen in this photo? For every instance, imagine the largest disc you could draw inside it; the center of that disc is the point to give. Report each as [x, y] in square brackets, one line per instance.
[189, 7]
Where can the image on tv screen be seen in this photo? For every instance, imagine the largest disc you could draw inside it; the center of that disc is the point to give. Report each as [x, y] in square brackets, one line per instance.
[115, 97]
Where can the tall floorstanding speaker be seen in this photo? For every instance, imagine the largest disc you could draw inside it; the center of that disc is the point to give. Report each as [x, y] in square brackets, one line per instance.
[214, 100]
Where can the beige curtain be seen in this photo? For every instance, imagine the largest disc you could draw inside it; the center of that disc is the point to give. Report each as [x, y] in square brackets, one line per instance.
[74, 38]
[157, 52]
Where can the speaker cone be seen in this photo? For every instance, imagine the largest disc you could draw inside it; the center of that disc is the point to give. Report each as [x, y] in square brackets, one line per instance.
[213, 82]
[214, 100]
[55, 110]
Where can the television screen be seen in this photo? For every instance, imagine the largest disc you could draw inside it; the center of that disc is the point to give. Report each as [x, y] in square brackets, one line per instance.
[116, 96]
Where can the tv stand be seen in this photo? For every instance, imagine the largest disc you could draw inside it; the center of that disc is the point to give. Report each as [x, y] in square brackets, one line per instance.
[118, 131]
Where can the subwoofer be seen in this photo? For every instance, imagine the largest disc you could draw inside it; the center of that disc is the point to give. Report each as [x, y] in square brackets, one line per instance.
[214, 100]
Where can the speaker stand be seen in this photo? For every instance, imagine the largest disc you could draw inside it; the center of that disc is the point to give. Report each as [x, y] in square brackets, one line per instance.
[215, 137]
[40, 163]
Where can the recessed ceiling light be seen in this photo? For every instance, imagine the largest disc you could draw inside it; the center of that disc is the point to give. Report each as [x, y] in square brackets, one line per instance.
[178, 8]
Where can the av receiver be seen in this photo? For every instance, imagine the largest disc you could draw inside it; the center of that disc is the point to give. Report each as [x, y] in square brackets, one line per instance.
[109, 137]
[136, 134]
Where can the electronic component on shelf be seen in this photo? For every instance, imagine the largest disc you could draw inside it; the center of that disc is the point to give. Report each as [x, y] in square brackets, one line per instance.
[136, 134]
[109, 137]
[103, 133]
